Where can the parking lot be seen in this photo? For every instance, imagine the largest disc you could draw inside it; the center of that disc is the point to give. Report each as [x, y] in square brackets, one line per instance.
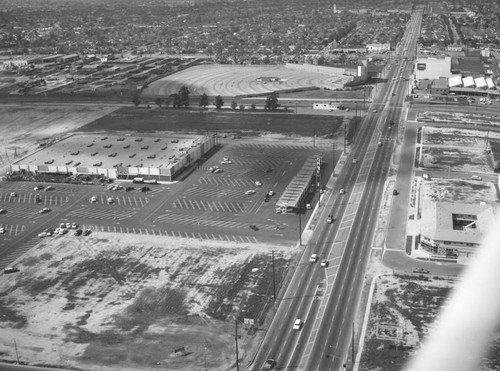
[221, 199]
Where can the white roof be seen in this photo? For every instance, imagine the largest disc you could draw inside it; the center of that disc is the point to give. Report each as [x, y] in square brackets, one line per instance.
[468, 82]
[490, 83]
[480, 82]
[455, 81]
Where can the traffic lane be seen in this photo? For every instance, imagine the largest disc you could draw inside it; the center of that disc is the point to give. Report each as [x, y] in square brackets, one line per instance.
[398, 216]
[363, 227]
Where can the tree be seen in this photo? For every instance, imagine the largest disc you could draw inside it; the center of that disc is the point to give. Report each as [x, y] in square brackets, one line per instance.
[184, 96]
[233, 105]
[242, 107]
[136, 99]
[176, 100]
[272, 102]
[218, 102]
[253, 106]
[159, 102]
[203, 100]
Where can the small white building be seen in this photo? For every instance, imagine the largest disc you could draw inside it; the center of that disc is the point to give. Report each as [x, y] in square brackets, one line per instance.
[330, 106]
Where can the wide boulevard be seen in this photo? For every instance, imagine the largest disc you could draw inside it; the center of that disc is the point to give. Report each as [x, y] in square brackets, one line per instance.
[326, 299]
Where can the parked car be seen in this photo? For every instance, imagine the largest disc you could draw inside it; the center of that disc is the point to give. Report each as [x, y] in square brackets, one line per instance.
[87, 232]
[476, 177]
[78, 232]
[13, 194]
[250, 192]
[420, 270]
[44, 210]
[3, 211]
[38, 187]
[258, 183]
[10, 270]
[2, 230]
[253, 227]
[49, 188]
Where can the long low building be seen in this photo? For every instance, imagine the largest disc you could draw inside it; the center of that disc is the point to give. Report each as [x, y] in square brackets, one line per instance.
[150, 156]
[294, 194]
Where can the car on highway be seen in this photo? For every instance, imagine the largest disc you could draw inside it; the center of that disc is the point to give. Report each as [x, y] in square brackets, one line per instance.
[250, 192]
[87, 232]
[380, 144]
[329, 219]
[10, 270]
[44, 210]
[355, 161]
[342, 191]
[374, 111]
[269, 364]
[38, 187]
[420, 270]
[297, 325]
[324, 263]
[314, 258]
[476, 177]
[395, 192]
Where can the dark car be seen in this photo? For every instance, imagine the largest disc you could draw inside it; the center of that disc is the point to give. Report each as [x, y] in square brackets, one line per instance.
[253, 227]
[10, 270]
[87, 232]
[128, 189]
[395, 192]
[145, 189]
[420, 270]
[78, 232]
[269, 365]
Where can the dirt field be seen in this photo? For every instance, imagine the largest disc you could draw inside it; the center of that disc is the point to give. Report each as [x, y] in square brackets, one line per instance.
[456, 150]
[464, 191]
[117, 302]
[403, 311]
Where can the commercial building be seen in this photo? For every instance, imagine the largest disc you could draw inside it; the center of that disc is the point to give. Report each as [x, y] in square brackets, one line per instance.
[432, 68]
[454, 230]
[118, 157]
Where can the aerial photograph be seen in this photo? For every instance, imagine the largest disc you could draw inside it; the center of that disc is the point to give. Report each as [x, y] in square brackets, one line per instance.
[217, 185]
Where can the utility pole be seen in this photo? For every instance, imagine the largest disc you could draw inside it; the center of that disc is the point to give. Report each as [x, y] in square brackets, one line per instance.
[236, 339]
[274, 279]
[300, 227]
[15, 346]
[345, 133]
[353, 358]
[333, 159]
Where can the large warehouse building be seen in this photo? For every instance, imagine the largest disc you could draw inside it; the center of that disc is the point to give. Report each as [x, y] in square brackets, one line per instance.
[118, 157]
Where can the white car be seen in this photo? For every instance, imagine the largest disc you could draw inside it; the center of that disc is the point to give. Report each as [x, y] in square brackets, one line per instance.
[324, 263]
[258, 183]
[93, 199]
[476, 177]
[13, 194]
[297, 325]
[314, 258]
[342, 191]
[355, 161]
[2, 230]
[250, 192]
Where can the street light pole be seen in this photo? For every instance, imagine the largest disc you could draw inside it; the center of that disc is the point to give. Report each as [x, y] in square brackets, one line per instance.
[274, 279]
[300, 228]
[236, 339]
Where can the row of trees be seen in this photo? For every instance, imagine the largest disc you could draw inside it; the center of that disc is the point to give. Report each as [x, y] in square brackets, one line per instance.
[181, 99]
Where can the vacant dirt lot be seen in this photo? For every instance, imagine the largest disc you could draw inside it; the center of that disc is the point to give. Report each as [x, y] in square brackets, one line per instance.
[117, 302]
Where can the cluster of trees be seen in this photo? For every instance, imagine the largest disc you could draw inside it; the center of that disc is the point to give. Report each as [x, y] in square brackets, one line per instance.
[181, 99]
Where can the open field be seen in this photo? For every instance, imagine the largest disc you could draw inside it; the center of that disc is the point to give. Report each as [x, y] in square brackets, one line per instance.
[234, 80]
[403, 311]
[454, 190]
[471, 118]
[126, 302]
[456, 149]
